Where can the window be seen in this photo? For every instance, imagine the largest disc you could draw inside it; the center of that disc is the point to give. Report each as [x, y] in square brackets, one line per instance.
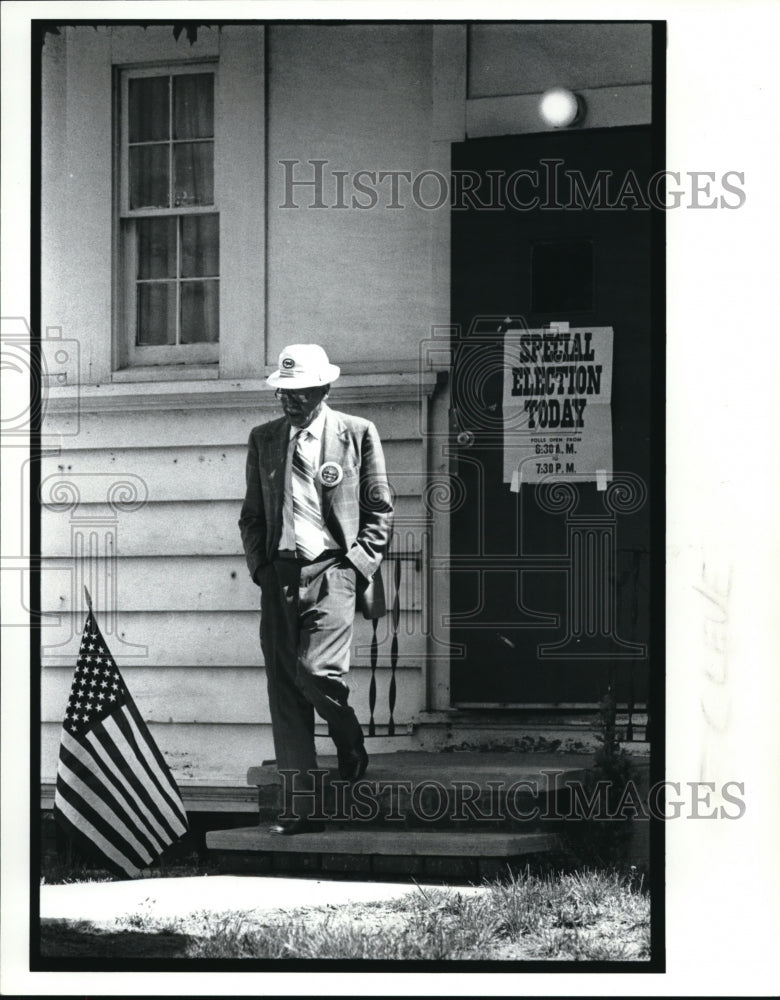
[169, 223]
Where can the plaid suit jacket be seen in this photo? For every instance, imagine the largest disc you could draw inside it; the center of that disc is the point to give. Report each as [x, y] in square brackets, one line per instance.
[358, 511]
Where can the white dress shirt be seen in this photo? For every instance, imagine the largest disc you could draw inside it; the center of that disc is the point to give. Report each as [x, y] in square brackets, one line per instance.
[311, 448]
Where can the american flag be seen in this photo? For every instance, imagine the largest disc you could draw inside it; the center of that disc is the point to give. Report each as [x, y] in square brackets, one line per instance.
[114, 790]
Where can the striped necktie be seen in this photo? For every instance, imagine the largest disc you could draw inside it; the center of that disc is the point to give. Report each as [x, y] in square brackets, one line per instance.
[307, 515]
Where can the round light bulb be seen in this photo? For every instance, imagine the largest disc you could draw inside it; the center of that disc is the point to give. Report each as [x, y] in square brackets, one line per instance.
[559, 107]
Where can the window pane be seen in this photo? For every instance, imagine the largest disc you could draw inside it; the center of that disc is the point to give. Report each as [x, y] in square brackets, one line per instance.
[156, 322]
[193, 106]
[149, 176]
[148, 108]
[193, 171]
[199, 246]
[156, 248]
[199, 312]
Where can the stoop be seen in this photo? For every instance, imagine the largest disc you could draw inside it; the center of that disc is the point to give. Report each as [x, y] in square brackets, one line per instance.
[460, 815]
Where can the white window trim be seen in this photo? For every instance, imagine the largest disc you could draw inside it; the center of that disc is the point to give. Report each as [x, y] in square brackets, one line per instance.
[130, 359]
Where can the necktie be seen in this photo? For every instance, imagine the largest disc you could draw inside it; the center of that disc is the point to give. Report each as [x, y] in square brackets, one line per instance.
[307, 515]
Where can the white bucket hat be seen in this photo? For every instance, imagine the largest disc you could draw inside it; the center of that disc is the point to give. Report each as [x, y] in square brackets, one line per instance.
[303, 366]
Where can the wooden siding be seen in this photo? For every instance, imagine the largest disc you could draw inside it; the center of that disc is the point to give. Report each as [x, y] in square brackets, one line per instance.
[173, 595]
[189, 583]
[212, 696]
[155, 527]
[209, 638]
[211, 425]
[194, 472]
[216, 754]
[360, 98]
[77, 141]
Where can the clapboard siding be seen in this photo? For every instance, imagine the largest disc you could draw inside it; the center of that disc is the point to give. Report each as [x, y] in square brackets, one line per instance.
[195, 752]
[183, 583]
[213, 639]
[205, 427]
[144, 474]
[175, 601]
[202, 754]
[233, 694]
[180, 528]
[191, 473]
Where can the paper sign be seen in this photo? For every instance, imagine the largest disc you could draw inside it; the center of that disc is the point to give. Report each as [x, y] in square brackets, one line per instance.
[556, 405]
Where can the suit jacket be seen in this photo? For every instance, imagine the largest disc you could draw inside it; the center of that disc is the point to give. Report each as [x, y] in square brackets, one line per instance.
[358, 511]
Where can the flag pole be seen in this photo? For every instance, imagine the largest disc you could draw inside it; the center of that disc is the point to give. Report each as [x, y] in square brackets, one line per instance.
[88, 597]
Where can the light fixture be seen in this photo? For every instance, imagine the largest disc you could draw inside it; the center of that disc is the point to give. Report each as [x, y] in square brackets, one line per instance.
[560, 108]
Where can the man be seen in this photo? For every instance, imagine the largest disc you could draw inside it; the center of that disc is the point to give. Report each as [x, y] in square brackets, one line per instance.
[315, 524]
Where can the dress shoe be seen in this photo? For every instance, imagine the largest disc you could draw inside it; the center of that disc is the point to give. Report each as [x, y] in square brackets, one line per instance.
[289, 827]
[353, 768]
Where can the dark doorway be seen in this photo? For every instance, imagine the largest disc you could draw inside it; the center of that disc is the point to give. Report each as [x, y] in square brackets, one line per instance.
[550, 600]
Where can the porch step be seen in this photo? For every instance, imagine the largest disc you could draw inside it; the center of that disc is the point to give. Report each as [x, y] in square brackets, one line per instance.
[479, 766]
[434, 853]
[415, 843]
[509, 793]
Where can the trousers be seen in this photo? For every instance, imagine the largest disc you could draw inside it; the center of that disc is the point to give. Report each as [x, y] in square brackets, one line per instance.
[307, 613]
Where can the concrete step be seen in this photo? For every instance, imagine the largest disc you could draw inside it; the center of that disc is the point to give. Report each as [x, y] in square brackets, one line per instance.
[507, 792]
[418, 766]
[434, 853]
[458, 815]
[429, 843]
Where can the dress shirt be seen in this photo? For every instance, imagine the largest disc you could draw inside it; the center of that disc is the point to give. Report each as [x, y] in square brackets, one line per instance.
[311, 448]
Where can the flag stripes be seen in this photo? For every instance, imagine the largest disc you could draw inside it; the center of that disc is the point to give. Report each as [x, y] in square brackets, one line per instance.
[156, 759]
[114, 791]
[100, 811]
[114, 765]
[118, 727]
[113, 786]
[129, 768]
[106, 801]
[161, 775]
[79, 827]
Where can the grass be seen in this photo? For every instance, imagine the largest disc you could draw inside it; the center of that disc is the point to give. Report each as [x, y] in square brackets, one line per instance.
[582, 916]
[55, 871]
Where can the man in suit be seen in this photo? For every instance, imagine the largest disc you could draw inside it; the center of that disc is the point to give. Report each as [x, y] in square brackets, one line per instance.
[315, 524]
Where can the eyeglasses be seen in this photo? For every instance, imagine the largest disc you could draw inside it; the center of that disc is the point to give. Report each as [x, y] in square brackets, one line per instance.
[298, 395]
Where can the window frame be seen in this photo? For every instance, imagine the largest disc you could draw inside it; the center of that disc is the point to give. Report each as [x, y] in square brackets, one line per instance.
[127, 354]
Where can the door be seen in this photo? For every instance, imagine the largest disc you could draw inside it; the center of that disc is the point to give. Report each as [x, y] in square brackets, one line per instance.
[550, 591]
